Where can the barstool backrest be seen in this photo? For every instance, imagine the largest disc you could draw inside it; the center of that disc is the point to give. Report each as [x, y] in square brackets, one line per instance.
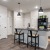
[32, 32]
[16, 30]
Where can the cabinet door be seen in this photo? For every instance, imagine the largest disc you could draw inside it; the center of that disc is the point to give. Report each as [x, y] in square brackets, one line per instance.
[9, 25]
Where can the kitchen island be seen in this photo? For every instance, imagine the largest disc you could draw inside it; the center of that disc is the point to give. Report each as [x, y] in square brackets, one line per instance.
[43, 37]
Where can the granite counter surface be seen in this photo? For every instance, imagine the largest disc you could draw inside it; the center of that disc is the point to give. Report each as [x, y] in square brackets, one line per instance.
[32, 29]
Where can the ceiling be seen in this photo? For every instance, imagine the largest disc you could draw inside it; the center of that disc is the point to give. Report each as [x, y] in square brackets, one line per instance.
[26, 5]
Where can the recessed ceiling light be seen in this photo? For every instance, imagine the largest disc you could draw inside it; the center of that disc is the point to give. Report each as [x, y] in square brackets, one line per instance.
[21, 10]
[4, 0]
[36, 7]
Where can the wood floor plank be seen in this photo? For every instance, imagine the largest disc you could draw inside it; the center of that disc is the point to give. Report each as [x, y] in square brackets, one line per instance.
[8, 44]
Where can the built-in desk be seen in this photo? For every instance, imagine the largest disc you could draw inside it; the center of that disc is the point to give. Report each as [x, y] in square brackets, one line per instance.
[43, 37]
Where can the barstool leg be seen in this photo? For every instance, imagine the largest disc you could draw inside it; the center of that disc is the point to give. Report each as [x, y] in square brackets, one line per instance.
[38, 41]
[35, 43]
[23, 37]
[19, 39]
[27, 41]
[14, 39]
[31, 41]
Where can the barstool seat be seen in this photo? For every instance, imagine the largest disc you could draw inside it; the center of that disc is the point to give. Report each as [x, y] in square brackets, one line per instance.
[18, 33]
[32, 35]
[19, 39]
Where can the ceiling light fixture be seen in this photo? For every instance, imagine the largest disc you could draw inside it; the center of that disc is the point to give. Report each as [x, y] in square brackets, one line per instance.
[40, 10]
[4, 0]
[36, 7]
[19, 10]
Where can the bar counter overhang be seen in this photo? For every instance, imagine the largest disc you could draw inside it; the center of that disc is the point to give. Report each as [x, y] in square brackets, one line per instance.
[43, 37]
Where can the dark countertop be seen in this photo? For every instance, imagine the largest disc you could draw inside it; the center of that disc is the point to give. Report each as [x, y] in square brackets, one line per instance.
[32, 29]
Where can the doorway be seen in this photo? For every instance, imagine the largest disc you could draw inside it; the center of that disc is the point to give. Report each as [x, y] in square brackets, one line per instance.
[9, 23]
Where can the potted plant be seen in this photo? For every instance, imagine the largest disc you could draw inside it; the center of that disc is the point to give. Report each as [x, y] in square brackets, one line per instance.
[45, 16]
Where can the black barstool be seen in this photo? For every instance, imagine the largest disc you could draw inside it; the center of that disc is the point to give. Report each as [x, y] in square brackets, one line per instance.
[35, 36]
[19, 34]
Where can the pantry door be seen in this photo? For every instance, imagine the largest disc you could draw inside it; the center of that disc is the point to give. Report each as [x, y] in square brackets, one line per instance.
[9, 23]
[3, 26]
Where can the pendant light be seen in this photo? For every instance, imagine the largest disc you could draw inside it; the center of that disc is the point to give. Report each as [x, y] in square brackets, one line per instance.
[19, 10]
[40, 10]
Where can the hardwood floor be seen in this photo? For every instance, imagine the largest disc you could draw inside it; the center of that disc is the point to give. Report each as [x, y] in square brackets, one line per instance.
[8, 44]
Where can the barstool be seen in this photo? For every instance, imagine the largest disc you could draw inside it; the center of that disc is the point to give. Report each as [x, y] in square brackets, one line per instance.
[33, 36]
[19, 34]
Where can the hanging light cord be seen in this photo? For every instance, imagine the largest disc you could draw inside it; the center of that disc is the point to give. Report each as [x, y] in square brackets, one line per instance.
[40, 3]
[19, 6]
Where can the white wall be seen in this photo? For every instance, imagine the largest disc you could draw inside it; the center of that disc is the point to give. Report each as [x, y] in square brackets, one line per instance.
[3, 22]
[18, 20]
[9, 22]
[26, 19]
[34, 19]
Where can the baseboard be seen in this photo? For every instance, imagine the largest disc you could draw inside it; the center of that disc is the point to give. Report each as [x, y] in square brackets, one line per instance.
[44, 47]
[3, 38]
[10, 34]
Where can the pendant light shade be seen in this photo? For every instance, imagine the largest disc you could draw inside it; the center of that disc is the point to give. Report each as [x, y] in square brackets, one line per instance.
[40, 10]
[19, 10]
[18, 14]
